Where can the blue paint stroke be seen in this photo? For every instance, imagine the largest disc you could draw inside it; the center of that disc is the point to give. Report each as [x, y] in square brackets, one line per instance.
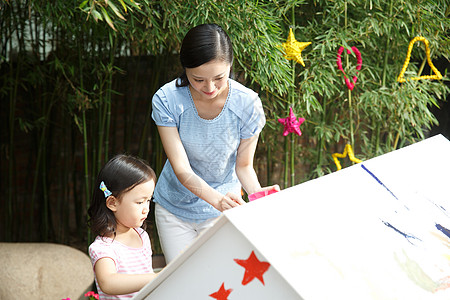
[407, 236]
[443, 229]
[378, 180]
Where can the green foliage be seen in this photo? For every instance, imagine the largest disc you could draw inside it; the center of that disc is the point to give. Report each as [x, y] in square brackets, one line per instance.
[384, 112]
[61, 67]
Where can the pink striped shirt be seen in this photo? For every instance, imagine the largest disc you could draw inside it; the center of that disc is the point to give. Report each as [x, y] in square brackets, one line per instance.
[128, 260]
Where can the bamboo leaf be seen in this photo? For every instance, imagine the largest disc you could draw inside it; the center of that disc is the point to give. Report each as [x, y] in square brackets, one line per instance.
[116, 11]
[83, 4]
[108, 19]
[123, 5]
[97, 16]
[133, 4]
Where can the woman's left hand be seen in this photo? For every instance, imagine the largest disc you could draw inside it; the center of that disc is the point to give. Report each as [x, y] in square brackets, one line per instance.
[275, 187]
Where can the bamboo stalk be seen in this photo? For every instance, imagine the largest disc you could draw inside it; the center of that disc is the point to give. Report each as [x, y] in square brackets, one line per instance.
[108, 96]
[292, 160]
[65, 181]
[268, 156]
[41, 172]
[17, 26]
[349, 92]
[292, 102]
[286, 163]
[383, 83]
[350, 108]
[154, 85]
[385, 62]
[86, 166]
[108, 124]
[129, 122]
[422, 65]
[321, 143]
[85, 138]
[269, 164]
[12, 112]
[46, 206]
[291, 137]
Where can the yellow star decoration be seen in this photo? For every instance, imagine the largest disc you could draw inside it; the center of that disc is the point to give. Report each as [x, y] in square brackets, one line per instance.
[348, 149]
[437, 75]
[294, 49]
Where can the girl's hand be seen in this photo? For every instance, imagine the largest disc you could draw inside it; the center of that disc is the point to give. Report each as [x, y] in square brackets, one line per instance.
[228, 201]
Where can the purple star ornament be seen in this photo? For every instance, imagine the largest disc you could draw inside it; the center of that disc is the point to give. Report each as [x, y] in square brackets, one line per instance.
[291, 124]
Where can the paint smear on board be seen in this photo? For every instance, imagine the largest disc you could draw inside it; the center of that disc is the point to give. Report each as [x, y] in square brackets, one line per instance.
[445, 242]
[443, 229]
[415, 273]
[407, 236]
[378, 180]
[443, 284]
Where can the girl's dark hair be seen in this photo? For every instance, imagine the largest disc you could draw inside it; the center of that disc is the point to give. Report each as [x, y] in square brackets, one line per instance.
[203, 44]
[120, 174]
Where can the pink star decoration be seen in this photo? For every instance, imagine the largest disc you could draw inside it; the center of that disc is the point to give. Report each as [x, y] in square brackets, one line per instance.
[222, 293]
[291, 124]
[254, 268]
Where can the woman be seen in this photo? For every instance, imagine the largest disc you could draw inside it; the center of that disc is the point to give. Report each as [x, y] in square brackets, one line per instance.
[209, 126]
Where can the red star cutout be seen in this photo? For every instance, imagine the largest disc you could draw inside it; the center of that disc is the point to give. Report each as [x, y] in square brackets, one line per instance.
[254, 268]
[222, 293]
[291, 124]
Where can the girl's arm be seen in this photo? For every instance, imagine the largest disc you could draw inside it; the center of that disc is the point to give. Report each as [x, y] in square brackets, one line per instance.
[180, 163]
[113, 283]
[244, 167]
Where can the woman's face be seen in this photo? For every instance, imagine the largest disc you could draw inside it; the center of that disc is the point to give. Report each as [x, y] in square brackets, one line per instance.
[209, 80]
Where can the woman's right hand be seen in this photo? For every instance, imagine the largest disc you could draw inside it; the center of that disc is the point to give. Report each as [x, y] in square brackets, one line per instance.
[228, 201]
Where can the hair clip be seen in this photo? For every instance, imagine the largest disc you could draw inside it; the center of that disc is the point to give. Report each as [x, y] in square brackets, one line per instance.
[105, 189]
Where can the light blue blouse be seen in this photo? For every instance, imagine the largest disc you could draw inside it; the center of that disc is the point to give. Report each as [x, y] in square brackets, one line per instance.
[211, 145]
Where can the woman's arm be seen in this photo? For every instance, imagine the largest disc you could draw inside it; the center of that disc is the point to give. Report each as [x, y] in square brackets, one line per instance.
[177, 156]
[114, 283]
[244, 167]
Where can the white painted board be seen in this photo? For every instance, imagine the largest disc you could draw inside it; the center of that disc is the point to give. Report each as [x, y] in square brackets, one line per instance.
[375, 230]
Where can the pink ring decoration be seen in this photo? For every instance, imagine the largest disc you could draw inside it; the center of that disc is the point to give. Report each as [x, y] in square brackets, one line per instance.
[355, 50]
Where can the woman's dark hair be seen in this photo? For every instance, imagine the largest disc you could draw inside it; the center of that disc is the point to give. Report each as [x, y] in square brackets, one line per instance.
[120, 174]
[203, 44]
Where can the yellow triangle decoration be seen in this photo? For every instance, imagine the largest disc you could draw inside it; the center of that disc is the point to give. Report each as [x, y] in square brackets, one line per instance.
[437, 75]
[348, 149]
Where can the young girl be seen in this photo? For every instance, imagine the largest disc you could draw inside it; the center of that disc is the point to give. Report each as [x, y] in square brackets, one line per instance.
[121, 253]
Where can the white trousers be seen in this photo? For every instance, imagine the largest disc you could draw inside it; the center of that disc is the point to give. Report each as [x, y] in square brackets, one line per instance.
[176, 235]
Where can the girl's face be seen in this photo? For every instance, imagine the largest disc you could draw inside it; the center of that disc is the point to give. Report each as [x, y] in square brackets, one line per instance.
[209, 80]
[134, 206]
